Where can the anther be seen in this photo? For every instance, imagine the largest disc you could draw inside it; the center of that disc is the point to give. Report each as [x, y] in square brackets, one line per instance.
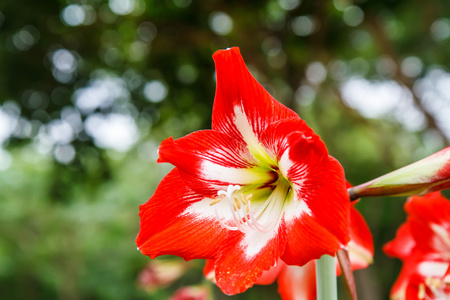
[422, 293]
[238, 204]
[243, 200]
[215, 201]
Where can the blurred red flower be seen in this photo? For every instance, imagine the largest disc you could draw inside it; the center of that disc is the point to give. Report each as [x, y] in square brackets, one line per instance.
[161, 273]
[198, 292]
[423, 244]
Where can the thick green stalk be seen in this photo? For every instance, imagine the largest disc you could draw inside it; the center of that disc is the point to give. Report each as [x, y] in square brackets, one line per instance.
[326, 278]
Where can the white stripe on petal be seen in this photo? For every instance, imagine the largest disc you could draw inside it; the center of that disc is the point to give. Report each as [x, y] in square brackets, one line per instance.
[359, 255]
[441, 241]
[242, 176]
[295, 209]
[254, 241]
[204, 209]
[253, 145]
[432, 268]
[285, 164]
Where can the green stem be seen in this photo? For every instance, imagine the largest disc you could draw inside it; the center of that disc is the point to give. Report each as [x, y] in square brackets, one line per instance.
[326, 278]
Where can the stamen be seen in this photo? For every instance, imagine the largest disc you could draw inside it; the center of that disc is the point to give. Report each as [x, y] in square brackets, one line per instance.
[215, 201]
[236, 201]
[243, 217]
[422, 293]
[222, 223]
[436, 286]
[243, 200]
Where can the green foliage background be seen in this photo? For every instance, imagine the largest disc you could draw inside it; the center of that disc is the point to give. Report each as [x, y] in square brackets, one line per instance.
[67, 225]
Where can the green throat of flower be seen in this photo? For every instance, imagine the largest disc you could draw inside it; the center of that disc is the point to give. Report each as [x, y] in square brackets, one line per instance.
[257, 209]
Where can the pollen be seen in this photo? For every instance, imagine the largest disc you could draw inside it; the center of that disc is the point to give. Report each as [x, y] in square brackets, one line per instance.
[243, 216]
[236, 201]
[422, 293]
[215, 201]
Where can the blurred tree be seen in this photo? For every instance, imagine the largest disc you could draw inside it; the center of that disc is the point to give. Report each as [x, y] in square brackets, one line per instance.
[89, 88]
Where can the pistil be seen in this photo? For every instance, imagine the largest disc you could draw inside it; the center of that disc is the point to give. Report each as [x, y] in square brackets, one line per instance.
[245, 219]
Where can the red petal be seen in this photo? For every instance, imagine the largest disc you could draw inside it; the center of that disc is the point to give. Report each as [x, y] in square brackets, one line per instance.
[307, 240]
[410, 266]
[412, 290]
[317, 178]
[361, 241]
[238, 89]
[402, 245]
[243, 258]
[168, 227]
[281, 135]
[268, 277]
[328, 200]
[447, 275]
[319, 181]
[429, 221]
[199, 292]
[209, 159]
[208, 270]
[298, 283]
[421, 275]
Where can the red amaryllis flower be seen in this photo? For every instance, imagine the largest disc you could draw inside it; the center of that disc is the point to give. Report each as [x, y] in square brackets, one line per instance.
[161, 273]
[199, 292]
[423, 244]
[257, 187]
[299, 283]
[427, 288]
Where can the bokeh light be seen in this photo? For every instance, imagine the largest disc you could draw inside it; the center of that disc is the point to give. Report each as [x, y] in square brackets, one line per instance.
[353, 15]
[25, 38]
[440, 29]
[221, 23]
[316, 72]
[155, 91]
[303, 25]
[289, 4]
[122, 7]
[112, 131]
[92, 87]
